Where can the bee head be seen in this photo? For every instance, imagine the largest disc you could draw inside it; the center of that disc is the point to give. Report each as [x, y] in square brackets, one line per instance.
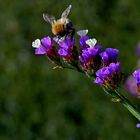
[57, 27]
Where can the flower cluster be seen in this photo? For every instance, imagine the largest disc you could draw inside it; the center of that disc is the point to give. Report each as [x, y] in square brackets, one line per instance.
[87, 57]
[90, 58]
[67, 50]
[109, 76]
[45, 47]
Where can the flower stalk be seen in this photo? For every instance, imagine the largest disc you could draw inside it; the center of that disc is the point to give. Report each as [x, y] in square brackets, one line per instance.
[126, 103]
[118, 97]
[100, 66]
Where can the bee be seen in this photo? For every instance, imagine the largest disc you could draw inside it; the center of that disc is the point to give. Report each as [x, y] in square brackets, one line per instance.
[62, 27]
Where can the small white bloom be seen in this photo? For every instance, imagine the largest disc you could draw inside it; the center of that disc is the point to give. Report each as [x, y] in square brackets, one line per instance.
[91, 42]
[36, 43]
[61, 39]
[82, 32]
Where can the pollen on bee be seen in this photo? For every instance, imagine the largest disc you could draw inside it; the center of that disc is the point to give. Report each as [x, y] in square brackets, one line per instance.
[57, 27]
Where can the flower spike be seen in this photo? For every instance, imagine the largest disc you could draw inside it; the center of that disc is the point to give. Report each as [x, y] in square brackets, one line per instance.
[102, 67]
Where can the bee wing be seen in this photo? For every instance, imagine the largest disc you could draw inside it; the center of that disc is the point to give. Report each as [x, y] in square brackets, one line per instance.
[66, 12]
[82, 32]
[48, 18]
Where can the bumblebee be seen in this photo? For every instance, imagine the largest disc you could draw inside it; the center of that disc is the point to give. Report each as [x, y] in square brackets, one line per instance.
[62, 27]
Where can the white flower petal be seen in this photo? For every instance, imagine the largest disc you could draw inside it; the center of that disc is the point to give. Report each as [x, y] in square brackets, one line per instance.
[61, 39]
[82, 32]
[33, 44]
[36, 43]
[91, 42]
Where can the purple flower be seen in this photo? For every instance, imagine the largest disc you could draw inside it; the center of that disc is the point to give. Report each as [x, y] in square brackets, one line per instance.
[45, 47]
[138, 125]
[99, 81]
[131, 87]
[67, 43]
[109, 76]
[103, 73]
[42, 46]
[83, 38]
[63, 52]
[67, 49]
[136, 75]
[90, 58]
[109, 55]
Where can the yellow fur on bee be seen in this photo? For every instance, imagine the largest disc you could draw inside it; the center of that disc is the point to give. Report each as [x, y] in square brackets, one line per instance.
[57, 27]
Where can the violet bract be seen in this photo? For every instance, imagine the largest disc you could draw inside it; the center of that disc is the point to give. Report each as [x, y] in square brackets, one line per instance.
[109, 55]
[83, 40]
[109, 76]
[68, 50]
[90, 59]
[138, 125]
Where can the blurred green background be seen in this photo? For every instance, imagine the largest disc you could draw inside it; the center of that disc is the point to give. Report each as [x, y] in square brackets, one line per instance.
[38, 103]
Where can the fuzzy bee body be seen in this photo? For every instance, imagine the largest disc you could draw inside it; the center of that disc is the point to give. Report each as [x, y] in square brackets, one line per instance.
[62, 27]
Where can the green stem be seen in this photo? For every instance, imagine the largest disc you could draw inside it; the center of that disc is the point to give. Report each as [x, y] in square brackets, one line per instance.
[114, 94]
[126, 103]
[72, 67]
